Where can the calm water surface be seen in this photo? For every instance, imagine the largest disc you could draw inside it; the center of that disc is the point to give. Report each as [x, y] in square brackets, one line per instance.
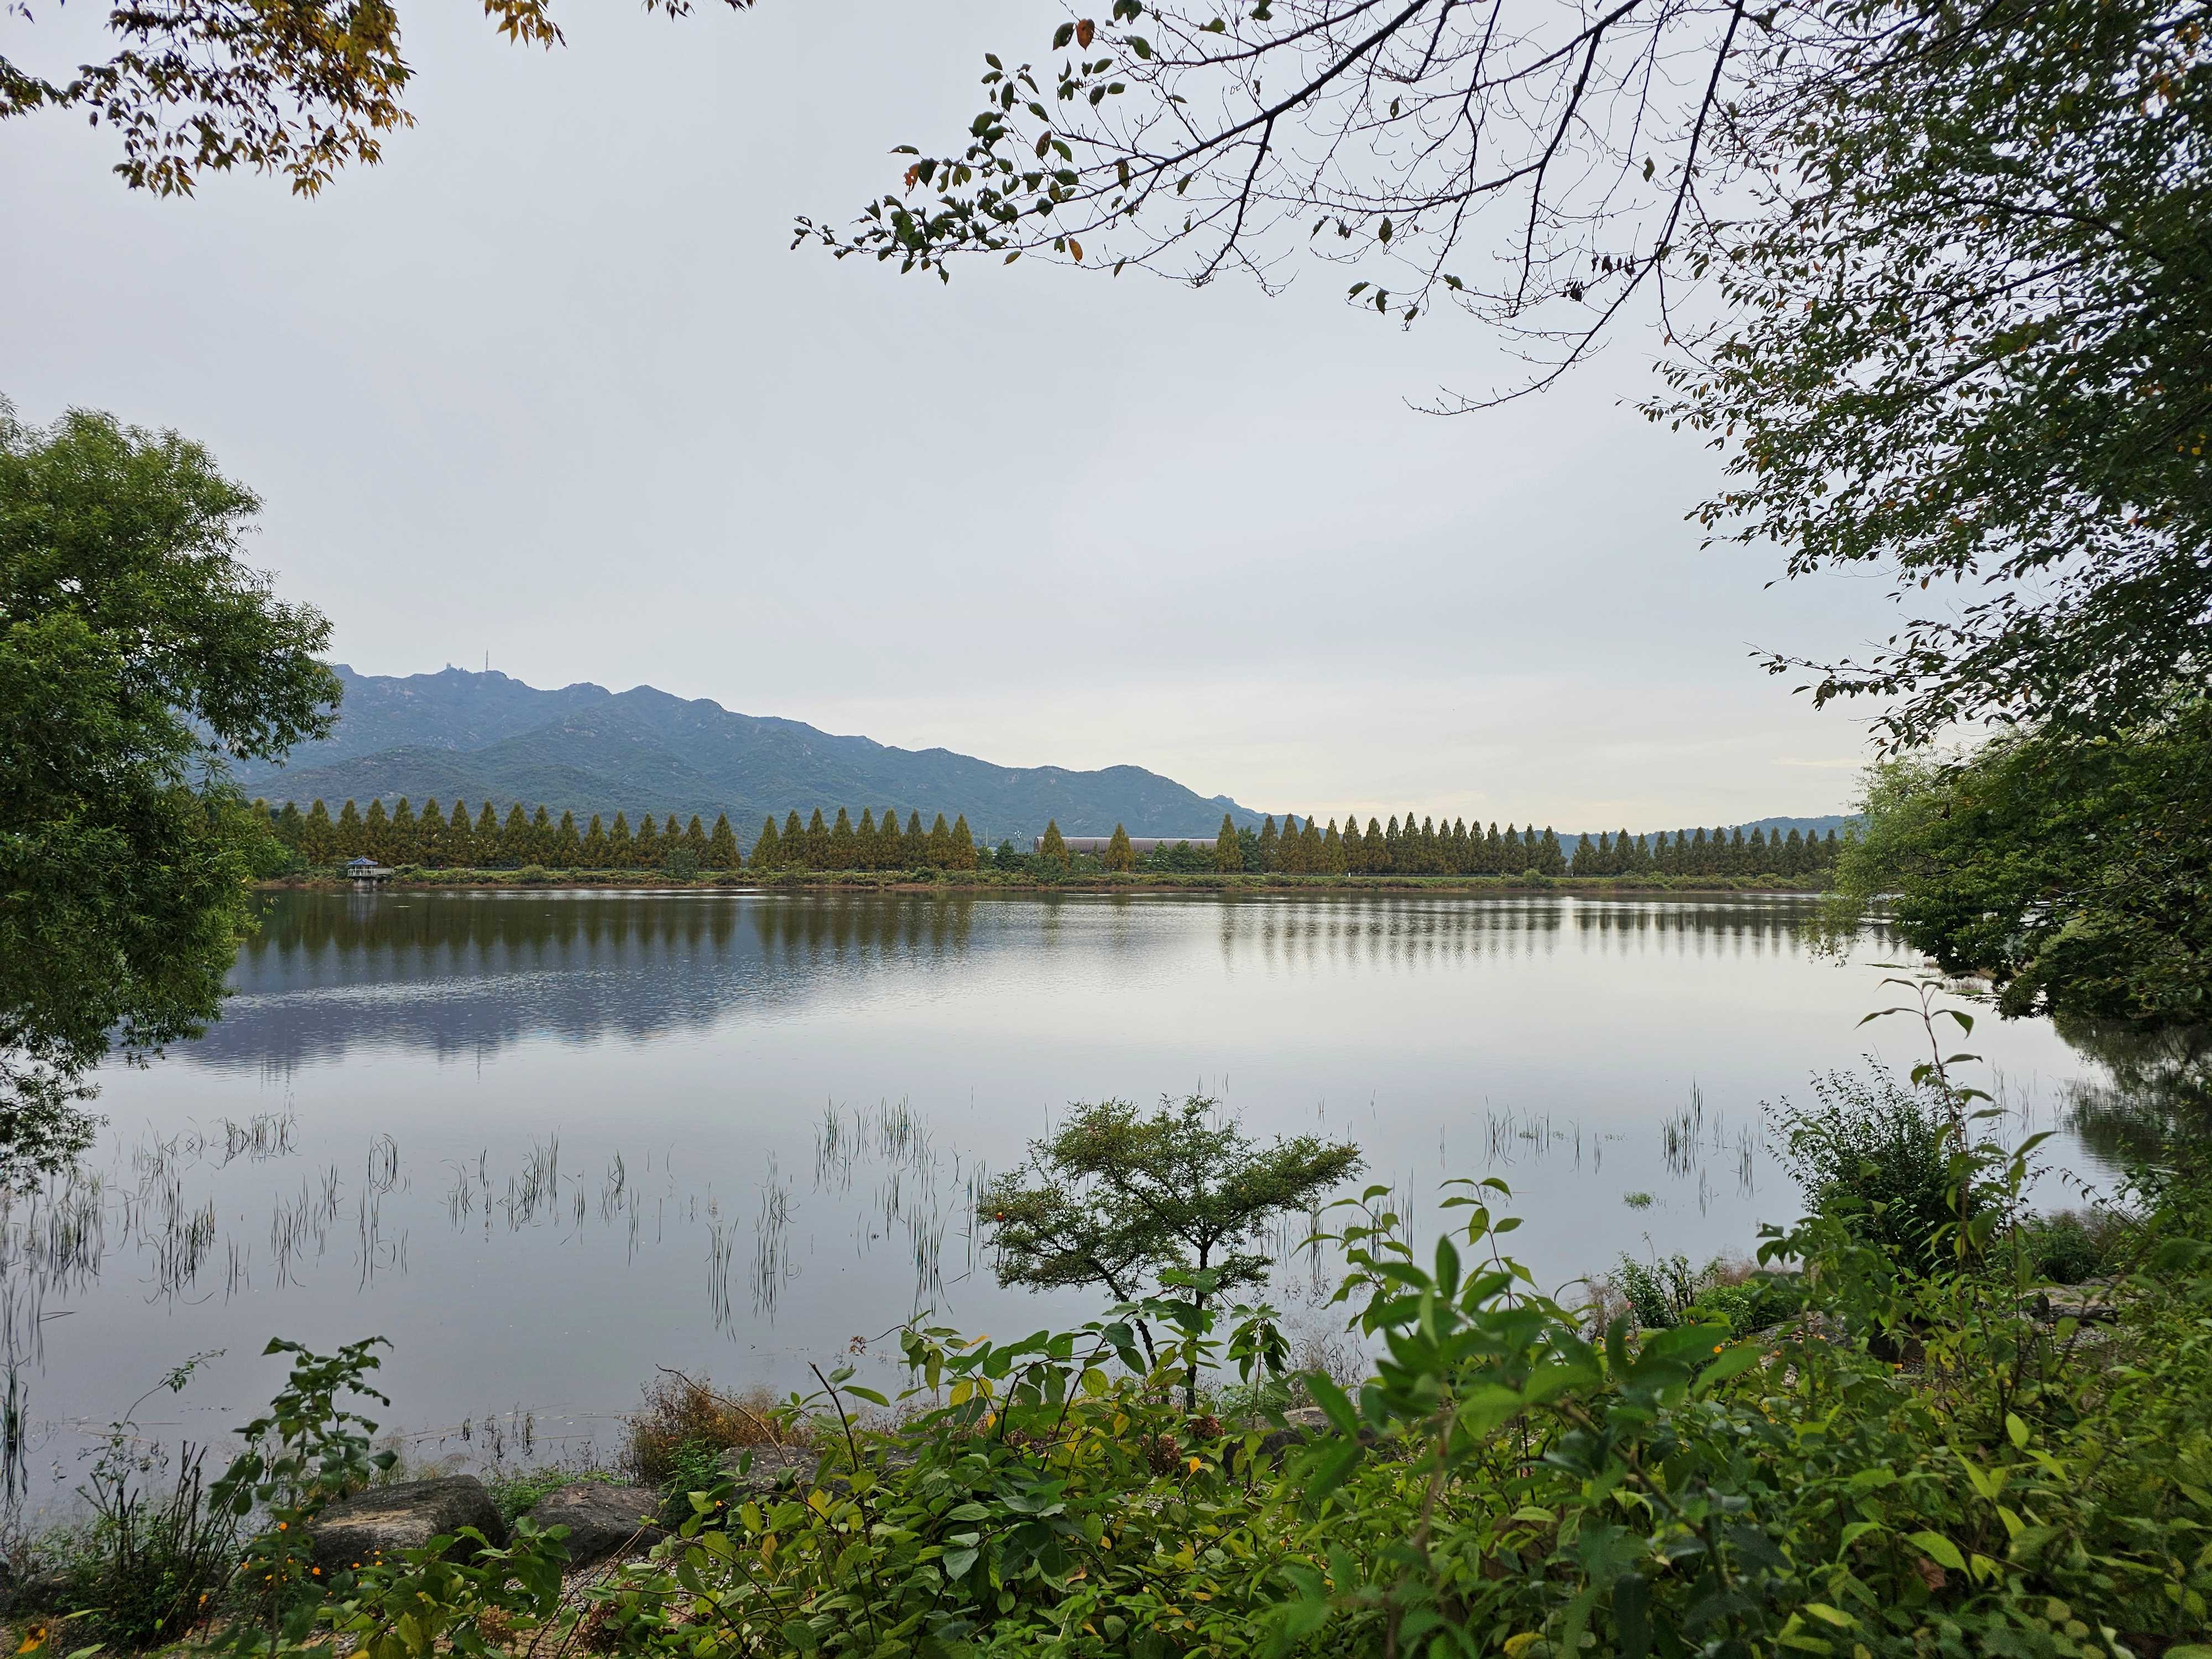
[546, 1142]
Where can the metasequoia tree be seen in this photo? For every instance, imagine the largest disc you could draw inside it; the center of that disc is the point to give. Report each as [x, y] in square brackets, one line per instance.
[1114, 1196]
[1935, 279]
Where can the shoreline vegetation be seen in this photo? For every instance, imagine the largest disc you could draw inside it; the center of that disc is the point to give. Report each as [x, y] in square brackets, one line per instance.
[1924, 1410]
[415, 878]
[486, 846]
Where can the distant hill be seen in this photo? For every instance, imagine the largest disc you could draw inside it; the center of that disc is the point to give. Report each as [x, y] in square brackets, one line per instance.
[585, 748]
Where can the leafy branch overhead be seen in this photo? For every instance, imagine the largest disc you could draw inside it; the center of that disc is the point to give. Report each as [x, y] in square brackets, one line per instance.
[1936, 281]
[301, 88]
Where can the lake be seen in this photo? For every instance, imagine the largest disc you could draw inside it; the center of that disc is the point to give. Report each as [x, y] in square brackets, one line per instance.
[546, 1142]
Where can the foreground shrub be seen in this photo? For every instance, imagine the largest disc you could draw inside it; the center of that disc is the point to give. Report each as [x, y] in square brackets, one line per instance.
[679, 1433]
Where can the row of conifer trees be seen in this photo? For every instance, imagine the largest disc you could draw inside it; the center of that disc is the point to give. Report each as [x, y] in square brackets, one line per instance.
[438, 840]
[1430, 848]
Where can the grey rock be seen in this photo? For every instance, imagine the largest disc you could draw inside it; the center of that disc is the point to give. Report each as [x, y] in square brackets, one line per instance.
[770, 1466]
[386, 1520]
[602, 1520]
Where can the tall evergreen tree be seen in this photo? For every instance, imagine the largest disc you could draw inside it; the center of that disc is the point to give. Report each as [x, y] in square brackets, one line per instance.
[864, 842]
[319, 836]
[1332, 850]
[815, 847]
[768, 847]
[622, 845]
[288, 826]
[1270, 853]
[1052, 848]
[565, 848]
[963, 844]
[1586, 858]
[791, 849]
[1393, 846]
[1550, 858]
[595, 849]
[1313, 849]
[645, 850]
[940, 849]
[914, 846]
[1351, 851]
[403, 833]
[1377, 851]
[376, 832]
[1119, 853]
[430, 837]
[353, 838]
[839, 850]
[518, 845]
[1227, 854]
[722, 846]
[489, 842]
[891, 845]
[461, 837]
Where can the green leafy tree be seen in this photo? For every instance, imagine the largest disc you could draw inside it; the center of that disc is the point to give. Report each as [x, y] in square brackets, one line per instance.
[842, 846]
[891, 845]
[594, 850]
[567, 848]
[722, 845]
[645, 846]
[939, 851]
[793, 847]
[963, 844]
[1119, 853]
[136, 654]
[622, 845]
[353, 837]
[1114, 1196]
[1227, 854]
[865, 852]
[402, 835]
[914, 846]
[815, 842]
[2075, 872]
[1052, 848]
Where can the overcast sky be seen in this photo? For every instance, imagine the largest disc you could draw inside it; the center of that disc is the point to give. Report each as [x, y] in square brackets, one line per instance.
[549, 384]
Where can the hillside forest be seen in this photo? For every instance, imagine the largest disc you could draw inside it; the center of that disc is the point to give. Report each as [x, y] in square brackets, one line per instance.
[438, 839]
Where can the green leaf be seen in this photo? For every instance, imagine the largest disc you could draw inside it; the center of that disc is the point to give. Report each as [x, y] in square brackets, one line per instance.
[956, 1563]
[1938, 1549]
[1333, 1404]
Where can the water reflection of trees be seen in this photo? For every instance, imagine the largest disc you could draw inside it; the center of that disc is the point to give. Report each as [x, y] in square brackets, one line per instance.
[2156, 1089]
[468, 973]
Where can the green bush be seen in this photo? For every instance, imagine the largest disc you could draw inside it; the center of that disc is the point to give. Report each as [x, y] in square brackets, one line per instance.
[1876, 1152]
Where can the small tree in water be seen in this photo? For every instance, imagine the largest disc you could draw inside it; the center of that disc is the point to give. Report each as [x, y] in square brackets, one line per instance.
[1114, 1196]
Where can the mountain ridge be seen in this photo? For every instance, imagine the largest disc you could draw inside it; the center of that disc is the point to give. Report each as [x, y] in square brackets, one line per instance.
[584, 749]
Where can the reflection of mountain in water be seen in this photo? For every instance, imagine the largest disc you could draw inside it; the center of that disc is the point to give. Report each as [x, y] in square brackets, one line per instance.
[467, 973]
